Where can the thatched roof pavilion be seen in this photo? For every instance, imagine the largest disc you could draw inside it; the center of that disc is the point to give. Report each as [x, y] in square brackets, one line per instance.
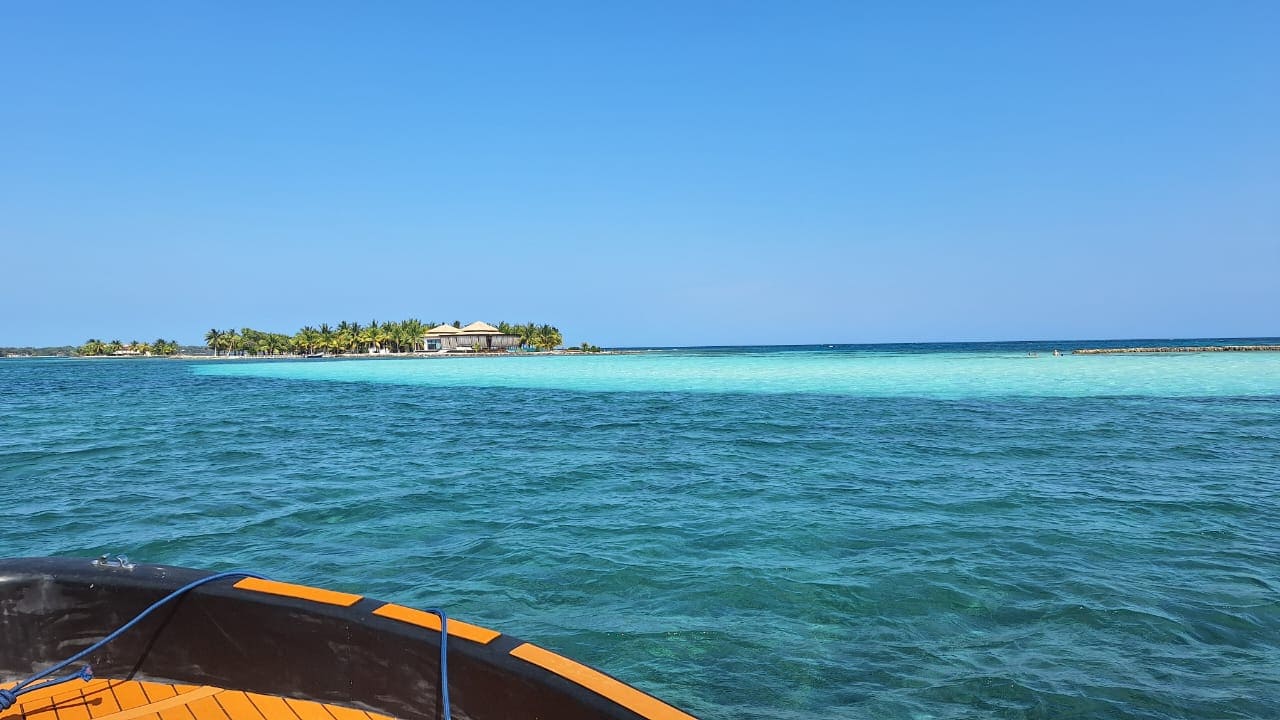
[476, 336]
[480, 328]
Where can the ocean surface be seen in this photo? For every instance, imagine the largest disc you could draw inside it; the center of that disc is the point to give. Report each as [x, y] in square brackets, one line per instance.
[918, 531]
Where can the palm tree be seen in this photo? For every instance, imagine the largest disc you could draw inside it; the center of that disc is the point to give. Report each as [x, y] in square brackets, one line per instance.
[213, 339]
[277, 343]
[528, 333]
[113, 346]
[368, 336]
[93, 346]
[250, 340]
[305, 339]
[343, 337]
[390, 333]
[356, 330]
[415, 330]
[549, 338]
[231, 340]
[403, 334]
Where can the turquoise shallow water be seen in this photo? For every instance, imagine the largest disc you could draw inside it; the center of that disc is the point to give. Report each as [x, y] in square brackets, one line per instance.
[950, 532]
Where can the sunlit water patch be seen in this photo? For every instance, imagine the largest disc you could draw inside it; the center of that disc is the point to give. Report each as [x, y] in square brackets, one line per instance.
[871, 374]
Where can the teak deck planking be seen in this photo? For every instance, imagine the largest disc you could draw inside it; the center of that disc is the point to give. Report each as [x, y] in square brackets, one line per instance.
[140, 700]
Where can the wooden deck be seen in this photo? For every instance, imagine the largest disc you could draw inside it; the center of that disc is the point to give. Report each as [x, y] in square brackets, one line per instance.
[134, 700]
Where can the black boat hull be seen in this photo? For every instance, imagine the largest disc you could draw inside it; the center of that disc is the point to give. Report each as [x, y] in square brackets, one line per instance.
[292, 641]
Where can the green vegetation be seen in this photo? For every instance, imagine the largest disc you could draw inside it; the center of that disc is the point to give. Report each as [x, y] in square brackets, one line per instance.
[353, 338]
[160, 346]
[341, 339]
[541, 337]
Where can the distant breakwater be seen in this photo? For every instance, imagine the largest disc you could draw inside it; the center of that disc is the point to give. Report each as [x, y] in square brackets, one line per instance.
[1178, 349]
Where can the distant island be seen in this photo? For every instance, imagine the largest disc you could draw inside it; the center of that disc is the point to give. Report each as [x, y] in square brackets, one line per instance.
[352, 339]
[160, 346]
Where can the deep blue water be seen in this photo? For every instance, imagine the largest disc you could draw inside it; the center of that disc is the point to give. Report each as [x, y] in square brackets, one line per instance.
[954, 532]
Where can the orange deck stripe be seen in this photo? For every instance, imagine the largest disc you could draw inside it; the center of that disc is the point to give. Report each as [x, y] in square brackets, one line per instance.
[304, 592]
[431, 621]
[599, 683]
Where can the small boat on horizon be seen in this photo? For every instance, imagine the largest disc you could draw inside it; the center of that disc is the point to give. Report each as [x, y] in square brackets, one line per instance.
[177, 642]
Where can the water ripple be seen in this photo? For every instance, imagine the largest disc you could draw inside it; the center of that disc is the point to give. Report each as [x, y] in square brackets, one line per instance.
[925, 551]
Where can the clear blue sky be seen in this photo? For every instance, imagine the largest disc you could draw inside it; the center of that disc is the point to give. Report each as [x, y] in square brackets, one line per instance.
[649, 173]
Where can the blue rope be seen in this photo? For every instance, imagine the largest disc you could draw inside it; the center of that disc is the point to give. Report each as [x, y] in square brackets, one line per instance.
[9, 696]
[444, 661]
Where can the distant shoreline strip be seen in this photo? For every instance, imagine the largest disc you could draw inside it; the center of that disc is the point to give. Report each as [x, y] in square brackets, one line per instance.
[1178, 349]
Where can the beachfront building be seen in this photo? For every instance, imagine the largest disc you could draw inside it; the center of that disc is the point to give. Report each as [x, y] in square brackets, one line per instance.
[476, 336]
[434, 340]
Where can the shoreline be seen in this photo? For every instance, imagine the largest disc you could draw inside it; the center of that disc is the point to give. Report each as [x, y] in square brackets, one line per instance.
[353, 356]
[1176, 349]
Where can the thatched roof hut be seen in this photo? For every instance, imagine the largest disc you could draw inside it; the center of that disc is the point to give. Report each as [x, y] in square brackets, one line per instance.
[478, 335]
[480, 328]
